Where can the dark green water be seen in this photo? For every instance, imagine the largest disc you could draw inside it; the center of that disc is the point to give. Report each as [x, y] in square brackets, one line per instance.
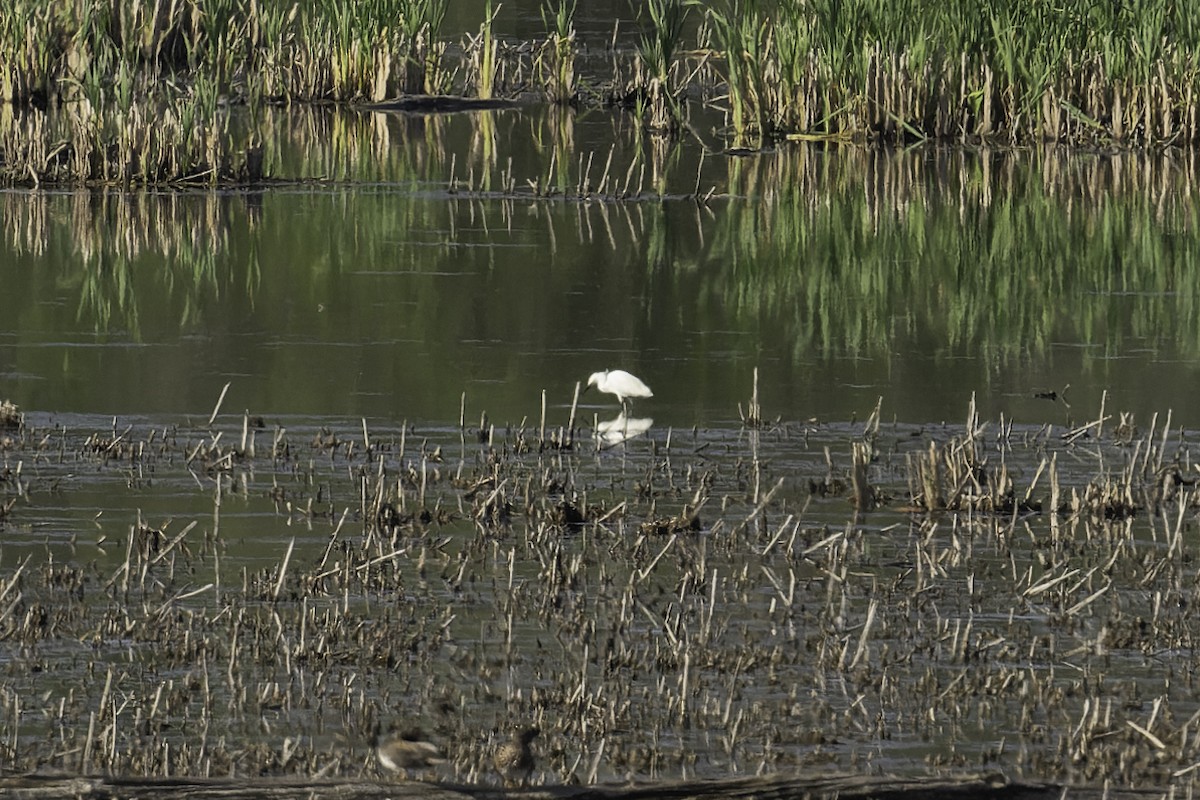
[918, 277]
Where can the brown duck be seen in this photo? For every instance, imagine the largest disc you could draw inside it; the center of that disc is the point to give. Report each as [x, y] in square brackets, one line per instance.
[514, 758]
[400, 752]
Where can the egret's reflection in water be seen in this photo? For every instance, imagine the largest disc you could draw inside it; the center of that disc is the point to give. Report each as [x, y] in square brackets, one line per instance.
[620, 428]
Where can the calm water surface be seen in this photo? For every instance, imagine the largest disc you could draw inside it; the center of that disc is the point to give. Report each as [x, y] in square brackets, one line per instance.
[845, 277]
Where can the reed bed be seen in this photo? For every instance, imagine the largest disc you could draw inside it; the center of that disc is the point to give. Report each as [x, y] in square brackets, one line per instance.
[141, 94]
[171, 141]
[1012, 72]
[556, 62]
[87, 83]
[683, 604]
[327, 50]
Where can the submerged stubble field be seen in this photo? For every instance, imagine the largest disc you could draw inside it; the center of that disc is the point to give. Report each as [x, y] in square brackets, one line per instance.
[260, 596]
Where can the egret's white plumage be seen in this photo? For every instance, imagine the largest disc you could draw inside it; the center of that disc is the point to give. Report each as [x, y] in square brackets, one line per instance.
[620, 383]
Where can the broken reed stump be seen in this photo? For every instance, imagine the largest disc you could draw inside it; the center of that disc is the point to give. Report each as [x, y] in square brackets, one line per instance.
[864, 495]
[11, 417]
[752, 416]
[931, 480]
[774, 787]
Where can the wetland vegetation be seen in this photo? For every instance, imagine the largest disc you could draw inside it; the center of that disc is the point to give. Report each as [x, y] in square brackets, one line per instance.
[688, 603]
[914, 494]
[174, 92]
[755, 273]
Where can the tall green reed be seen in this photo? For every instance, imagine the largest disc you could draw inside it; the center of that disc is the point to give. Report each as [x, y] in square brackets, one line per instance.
[556, 59]
[420, 29]
[1012, 71]
[483, 53]
[743, 33]
[660, 40]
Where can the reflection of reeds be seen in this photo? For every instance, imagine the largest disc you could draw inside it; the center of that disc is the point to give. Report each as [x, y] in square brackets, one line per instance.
[981, 237]
[113, 236]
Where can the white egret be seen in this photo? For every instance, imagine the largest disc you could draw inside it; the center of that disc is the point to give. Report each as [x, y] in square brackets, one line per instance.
[620, 383]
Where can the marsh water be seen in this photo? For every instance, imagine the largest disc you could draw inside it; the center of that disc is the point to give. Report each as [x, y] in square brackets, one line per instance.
[408, 274]
[391, 317]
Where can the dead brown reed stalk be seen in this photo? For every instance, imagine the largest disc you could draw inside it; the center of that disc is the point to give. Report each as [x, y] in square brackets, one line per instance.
[752, 416]
[11, 417]
[864, 495]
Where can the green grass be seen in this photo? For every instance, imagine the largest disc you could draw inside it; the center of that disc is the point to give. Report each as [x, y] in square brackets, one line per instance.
[556, 61]
[663, 24]
[121, 93]
[90, 77]
[1013, 70]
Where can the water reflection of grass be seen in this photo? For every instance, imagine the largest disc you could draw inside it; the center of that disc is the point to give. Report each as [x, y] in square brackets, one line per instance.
[832, 252]
[968, 252]
[127, 253]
